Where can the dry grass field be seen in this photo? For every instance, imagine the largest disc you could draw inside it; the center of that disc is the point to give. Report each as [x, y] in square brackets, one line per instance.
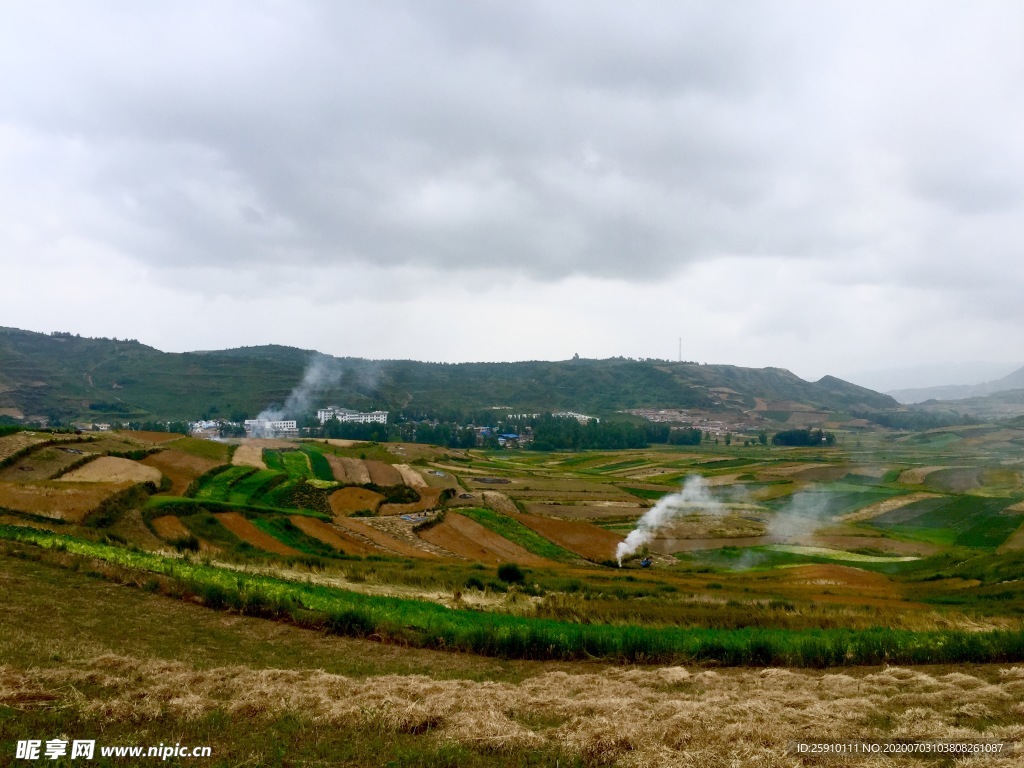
[42, 464]
[19, 441]
[109, 469]
[670, 716]
[57, 499]
[575, 511]
[410, 476]
[247, 455]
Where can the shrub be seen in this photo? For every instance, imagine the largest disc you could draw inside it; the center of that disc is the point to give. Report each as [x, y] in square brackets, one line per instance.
[511, 573]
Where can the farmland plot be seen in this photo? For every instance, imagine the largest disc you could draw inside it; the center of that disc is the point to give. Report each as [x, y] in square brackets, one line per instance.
[179, 467]
[250, 534]
[109, 469]
[349, 470]
[57, 499]
[467, 538]
[586, 540]
[345, 501]
[42, 464]
[383, 474]
[247, 455]
[332, 536]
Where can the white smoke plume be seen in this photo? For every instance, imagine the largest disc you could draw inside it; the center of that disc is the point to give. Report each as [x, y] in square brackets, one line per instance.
[694, 497]
[322, 373]
[806, 512]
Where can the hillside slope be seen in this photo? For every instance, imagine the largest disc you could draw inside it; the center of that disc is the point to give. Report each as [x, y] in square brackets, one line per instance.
[67, 377]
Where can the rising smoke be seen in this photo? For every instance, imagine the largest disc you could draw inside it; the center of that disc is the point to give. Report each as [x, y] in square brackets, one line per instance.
[694, 497]
[807, 511]
[322, 374]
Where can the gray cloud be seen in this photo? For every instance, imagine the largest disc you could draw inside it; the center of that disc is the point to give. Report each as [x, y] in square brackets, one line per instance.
[878, 146]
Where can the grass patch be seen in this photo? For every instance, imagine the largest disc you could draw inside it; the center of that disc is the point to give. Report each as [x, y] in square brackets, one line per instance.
[428, 625]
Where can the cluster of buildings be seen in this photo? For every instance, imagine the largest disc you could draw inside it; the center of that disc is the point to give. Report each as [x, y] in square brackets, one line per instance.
[269, 428]
[347, 416]
[681, 417]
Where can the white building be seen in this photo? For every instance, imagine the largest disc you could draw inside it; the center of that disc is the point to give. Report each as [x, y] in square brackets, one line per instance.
[582, 418]
[267, 428]
[345, 415]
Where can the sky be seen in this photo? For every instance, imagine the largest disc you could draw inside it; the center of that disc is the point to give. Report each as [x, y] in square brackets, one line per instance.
[829, 187]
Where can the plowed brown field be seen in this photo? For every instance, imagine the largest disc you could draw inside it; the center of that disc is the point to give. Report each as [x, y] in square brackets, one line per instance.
[383, 474]
[348, 470]
[170, 527]
[179, 467]
[430, 498]
[345, 501]
[332, 536]
[250, 534]
[467, 538]
[382, 539]
[586, 540]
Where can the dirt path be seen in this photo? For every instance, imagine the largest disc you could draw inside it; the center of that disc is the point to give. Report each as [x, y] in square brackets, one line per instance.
[250, 534]
[467, 538]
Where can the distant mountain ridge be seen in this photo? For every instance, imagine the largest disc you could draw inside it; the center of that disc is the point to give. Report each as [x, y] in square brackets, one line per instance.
[1009, 382]
[65, 377]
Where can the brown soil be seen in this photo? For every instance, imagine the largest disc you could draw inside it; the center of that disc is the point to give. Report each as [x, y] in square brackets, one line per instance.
[348, 470]
[179, 467]
[383, 474]
[56, 499]
[430, 498]
[467, 538]
[1015, 541]
[345, 501]
[170, 527]
[382, 539]
[250, 534]
[586, 540]
[332, 536]
[110, 469]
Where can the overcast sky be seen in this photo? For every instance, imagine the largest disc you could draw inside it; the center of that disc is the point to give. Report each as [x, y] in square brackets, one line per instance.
[825, 187]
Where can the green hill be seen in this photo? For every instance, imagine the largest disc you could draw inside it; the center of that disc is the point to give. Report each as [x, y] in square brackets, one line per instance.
[66, 377]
